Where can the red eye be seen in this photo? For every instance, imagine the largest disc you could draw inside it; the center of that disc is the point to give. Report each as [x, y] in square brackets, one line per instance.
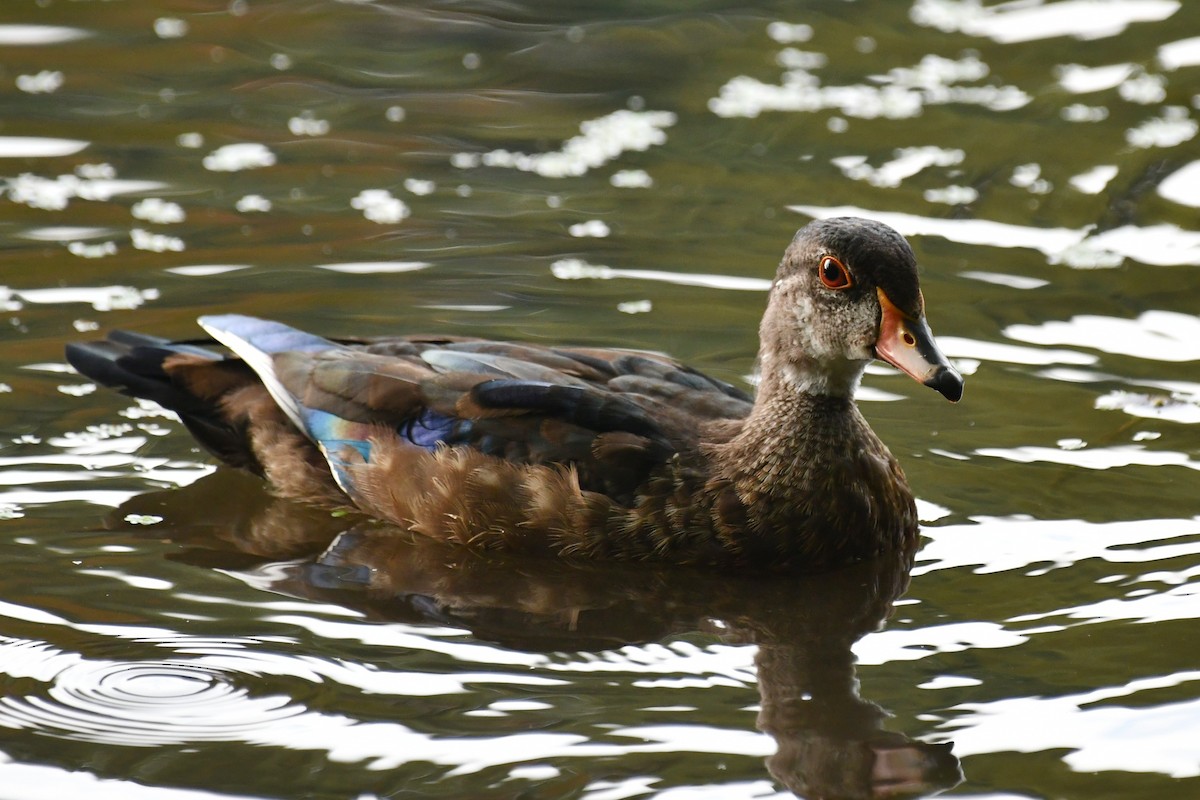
[834, 273]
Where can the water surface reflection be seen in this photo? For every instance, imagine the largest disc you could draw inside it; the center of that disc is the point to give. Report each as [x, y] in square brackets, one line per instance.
[829, 741]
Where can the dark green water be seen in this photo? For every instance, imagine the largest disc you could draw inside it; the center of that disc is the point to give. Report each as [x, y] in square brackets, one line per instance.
[472, 168]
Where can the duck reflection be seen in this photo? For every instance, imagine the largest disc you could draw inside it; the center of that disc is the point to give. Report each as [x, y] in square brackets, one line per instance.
[830, 741]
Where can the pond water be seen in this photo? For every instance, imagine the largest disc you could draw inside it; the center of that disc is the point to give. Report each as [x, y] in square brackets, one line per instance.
[613, 174]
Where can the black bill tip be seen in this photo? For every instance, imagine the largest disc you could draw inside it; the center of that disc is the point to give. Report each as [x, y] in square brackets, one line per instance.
[948, 382]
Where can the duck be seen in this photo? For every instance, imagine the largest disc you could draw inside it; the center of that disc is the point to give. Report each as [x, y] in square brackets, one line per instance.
[579, 452]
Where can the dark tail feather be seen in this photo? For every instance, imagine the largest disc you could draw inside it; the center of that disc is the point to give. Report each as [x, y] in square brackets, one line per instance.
[132, 363]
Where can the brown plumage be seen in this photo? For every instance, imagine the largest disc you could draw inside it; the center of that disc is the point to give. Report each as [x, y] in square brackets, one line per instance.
[581, 451]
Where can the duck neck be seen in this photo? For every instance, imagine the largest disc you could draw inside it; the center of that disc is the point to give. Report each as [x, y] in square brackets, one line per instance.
[815, 485]
[800, 374]
[793, 434]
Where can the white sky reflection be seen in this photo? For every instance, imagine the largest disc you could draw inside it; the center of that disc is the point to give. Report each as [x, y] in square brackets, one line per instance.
[1154, 335]
[1183, 185]
[1159, 245]
[1079, 79]
[1106, 729]
[1183, 53]
[599, 141]
[1013, 22]
[1000, 544]
[38, 147]
[37, 35]
[38, 782]
[569, 269]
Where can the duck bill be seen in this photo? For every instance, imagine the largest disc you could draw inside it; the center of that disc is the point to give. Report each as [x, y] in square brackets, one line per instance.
[907, 344]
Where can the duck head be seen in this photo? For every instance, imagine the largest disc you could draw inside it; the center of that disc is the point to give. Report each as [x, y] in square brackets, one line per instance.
[847, 292]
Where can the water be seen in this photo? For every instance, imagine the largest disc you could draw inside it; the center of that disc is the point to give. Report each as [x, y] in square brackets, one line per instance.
[625, 175]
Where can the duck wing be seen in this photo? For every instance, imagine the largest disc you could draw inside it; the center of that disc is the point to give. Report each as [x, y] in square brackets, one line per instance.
[611, 415]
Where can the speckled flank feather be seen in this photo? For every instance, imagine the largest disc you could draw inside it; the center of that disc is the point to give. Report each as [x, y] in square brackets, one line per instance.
[467, 497]
[487, 503]
[578, 452]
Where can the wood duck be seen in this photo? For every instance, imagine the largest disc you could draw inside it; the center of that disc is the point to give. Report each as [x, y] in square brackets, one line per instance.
[575, 451]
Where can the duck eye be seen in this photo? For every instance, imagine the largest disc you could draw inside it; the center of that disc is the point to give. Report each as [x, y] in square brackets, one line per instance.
[834, 273]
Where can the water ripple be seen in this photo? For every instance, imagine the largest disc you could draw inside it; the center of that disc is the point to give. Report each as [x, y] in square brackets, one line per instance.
[146, 704]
